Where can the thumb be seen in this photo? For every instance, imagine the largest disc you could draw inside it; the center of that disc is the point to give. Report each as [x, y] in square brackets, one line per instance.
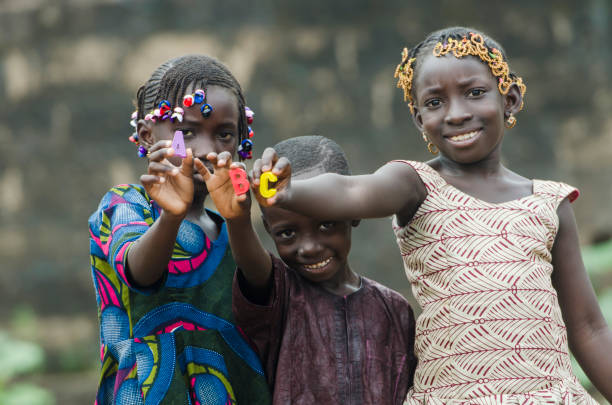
[202, 169]
[187, 164]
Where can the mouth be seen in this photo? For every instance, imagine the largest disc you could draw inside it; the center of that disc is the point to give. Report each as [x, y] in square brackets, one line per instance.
[317, 266]
[464, 138]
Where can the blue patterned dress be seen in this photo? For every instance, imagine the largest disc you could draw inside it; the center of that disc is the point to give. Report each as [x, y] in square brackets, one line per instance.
[175, 343]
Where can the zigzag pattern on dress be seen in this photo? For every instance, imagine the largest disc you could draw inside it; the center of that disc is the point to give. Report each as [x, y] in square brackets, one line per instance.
[491, 330]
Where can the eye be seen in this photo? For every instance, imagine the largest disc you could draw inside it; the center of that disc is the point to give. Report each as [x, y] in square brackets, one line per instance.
[285, 234]
[225, 136]
[187, 132]
[326, 226]
[476, 92]
[434, 102]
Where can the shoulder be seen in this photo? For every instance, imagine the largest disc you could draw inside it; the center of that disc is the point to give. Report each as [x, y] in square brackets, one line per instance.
[124, 195]
[385, 293]
[555, 192]
[407, 166]
[396, 307]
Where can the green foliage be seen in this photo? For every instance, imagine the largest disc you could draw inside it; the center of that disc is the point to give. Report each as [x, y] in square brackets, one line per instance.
[19, 394]
[19, 358]
[598, 263]
[598, 258]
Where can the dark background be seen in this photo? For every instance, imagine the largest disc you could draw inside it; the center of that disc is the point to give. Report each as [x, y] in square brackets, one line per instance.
[69, 71]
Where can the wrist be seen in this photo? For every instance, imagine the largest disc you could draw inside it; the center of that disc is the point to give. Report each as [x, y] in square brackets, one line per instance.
[170, 218]
[240, 221]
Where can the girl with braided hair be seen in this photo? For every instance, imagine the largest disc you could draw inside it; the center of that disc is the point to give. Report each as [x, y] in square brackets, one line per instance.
[493, 257]
[161, 263]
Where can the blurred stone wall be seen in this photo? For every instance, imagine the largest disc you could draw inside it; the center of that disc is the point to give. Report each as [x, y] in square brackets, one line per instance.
[69, 71]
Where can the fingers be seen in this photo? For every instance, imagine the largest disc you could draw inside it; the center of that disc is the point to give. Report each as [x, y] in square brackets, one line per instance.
[148, 180]
[160, 150]
[282, 168]
[202, 169]
[224, 159]
[269, 157]
[159, 169]
[263, 164]
[187, 164]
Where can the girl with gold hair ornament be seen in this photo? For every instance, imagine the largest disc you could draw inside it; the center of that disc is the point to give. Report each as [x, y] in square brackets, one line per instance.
[493, 257]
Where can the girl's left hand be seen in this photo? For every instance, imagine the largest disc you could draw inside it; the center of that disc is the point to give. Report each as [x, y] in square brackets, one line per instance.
[220, 187]
[171, 187]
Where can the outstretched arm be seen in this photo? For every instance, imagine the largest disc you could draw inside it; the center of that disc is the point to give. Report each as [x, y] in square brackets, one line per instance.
[395, 188]
[172, 189]
[250, 255]
[590, 338]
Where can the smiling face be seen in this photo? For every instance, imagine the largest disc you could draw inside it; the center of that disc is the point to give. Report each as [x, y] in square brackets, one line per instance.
[318, 250]
[217, 133]
[459, 107]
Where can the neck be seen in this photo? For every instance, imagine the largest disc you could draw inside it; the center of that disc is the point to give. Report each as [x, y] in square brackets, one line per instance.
[487, 167]
[345, 283]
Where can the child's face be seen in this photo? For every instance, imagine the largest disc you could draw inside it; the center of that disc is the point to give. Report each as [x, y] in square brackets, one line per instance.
[459, 107]
[217, 133]
[318, 250]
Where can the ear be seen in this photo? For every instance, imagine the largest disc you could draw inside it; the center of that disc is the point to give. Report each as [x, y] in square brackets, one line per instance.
[145, 133]
[355, 222]
[417, 118]
[513, 101]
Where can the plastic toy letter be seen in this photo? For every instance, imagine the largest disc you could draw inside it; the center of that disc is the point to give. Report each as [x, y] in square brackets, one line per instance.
[178, 144]
[239, 180]
[264, 188]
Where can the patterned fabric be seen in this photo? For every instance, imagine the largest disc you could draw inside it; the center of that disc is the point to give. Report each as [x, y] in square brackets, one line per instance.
[491, 330]
[321, 348]
[175, 343]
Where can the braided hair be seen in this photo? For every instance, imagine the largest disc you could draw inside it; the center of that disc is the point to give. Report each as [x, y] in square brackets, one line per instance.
[313, 153]
[171, 80]
[412, 59]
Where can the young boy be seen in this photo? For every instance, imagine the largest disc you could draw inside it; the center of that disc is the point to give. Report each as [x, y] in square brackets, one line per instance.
[324, 334]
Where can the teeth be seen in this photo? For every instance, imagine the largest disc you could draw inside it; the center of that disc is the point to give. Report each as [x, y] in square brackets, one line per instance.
[464, 137]
[318, 265]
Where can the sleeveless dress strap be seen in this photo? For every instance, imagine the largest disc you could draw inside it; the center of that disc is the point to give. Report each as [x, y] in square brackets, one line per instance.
[430, 178]
[556, 191]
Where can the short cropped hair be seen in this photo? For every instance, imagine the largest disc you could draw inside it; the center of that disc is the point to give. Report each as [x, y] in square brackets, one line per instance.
[313, 154]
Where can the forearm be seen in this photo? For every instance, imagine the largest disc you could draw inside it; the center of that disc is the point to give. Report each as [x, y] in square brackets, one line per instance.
[592, 347]
[148, 258]
[250, 255]
[333, 196]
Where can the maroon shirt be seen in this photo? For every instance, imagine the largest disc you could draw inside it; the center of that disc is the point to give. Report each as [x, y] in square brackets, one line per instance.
[320, 348]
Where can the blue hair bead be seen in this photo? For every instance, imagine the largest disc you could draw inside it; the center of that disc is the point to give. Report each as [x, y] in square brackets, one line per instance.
[142, 151]
[206, 110]
[246, 145]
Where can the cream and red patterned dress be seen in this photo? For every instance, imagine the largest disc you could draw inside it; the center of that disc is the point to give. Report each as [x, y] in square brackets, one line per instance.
[491, 330]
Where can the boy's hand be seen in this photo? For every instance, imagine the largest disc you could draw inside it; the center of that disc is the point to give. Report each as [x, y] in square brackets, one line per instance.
[281, 168]
[220, 187]
[170, 186]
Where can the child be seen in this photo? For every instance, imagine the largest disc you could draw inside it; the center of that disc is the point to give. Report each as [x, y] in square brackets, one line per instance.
[325, 334]
[493, 257]
[161, 263]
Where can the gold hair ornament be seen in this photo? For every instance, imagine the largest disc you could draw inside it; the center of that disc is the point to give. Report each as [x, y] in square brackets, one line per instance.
[404, 73]
[474, 46]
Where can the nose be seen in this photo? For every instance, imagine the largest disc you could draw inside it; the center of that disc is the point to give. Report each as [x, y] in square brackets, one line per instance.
[457, 113]
[309, 247]
[202, 145]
